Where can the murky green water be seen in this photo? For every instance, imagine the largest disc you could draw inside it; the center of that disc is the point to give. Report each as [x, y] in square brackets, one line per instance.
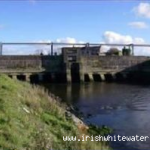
[126, 108]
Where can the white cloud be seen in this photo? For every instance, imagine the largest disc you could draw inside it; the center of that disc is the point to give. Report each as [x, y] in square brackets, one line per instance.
[66, 40]
[111, 37]
[15, 50]
[69, 40]
[37, 49]
[138, 25]
[142, 10]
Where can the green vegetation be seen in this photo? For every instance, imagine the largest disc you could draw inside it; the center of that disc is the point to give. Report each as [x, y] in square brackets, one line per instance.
[114, 52]
[31, 120]
[126, 51]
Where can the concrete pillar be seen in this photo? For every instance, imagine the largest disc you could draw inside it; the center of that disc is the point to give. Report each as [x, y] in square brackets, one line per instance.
[68, 75]
[40, 76]
[28, 77]
[81, 72]
[14, 77]
[91, 77]
[102, 77]
[81, 77]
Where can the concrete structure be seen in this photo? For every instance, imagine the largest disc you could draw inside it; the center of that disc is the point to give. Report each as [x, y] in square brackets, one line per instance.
[104, 68]
[32, 68]
[71, 66]
[90, 50]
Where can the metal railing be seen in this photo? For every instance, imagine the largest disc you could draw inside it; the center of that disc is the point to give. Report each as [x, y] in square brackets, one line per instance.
[52, 44]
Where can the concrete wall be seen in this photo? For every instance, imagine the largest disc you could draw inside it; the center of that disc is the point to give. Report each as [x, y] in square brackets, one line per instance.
[115, 63]
[61, 68]
[31, 63]
[20, 62]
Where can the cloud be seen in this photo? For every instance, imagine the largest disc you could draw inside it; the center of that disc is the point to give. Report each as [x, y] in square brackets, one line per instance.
[15, 50]
[138, 25]
[66, 40]
[69, 40]
[37, 49]
[111, 37]
[142, 10]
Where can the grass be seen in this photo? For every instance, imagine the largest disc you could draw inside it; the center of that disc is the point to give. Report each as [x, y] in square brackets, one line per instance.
[30, 119]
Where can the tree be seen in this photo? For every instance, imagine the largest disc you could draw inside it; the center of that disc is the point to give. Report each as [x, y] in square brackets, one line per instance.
[126, 51]
[113, 51]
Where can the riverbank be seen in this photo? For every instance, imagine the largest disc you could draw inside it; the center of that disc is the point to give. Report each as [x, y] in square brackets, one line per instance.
[32, 119]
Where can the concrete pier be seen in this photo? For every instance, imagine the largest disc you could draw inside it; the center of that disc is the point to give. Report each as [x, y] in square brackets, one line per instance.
[81, 77]
[102, 77]
[14, 77]
[91, 77]
[27, 76]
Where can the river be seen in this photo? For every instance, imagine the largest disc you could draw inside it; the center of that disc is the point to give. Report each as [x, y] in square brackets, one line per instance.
[123, 107]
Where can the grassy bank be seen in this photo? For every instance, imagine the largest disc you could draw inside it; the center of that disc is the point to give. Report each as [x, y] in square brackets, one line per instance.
[32, 120]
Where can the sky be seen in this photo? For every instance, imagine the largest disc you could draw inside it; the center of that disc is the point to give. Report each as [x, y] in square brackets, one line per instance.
[77, 21]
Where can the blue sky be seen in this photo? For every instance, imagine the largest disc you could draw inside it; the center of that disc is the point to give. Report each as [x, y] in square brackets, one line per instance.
[87, 21]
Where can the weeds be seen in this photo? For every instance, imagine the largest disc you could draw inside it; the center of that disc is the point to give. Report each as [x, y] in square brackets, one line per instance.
[32, 119]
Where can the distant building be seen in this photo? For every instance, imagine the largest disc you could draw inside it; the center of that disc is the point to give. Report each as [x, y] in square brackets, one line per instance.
[84, 51]
[90, 51]
[72, 53]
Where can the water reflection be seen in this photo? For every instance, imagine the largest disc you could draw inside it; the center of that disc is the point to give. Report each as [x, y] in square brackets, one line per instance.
[125, 108]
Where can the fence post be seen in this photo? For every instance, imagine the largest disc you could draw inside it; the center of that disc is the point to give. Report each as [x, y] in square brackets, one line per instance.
[1, 48]
[132, 49]
[51, 48]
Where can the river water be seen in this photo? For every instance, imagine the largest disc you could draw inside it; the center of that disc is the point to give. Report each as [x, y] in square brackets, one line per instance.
[123, 107]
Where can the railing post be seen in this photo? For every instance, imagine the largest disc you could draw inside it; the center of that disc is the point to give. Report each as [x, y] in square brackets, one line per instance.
[132, 50]
[87, 48]
[51, 48]
[1, 48]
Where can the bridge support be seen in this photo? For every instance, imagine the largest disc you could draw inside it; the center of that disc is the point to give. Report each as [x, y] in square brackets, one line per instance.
[91, 77]
[81, 73]
[102, 77]
[68, 75]
[28, 77]
[81, 77]
[14, 77]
